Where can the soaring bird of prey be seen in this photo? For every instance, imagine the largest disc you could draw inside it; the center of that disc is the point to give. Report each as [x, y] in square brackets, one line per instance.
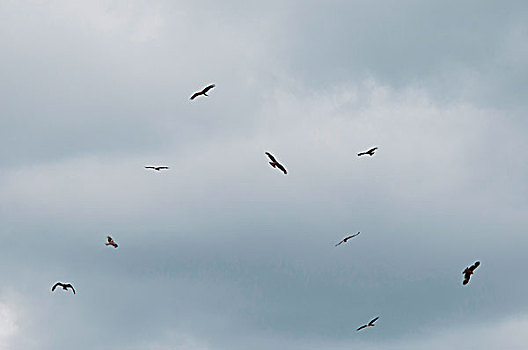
[346, 239]
[276, 164]
[370, 152]
[64, 286]
[203, 92]
[469, 271]
[111, 242]
[157, 168]
[370, 324]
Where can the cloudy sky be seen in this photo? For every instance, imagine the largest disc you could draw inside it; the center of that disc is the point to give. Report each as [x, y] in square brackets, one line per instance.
[224, 252]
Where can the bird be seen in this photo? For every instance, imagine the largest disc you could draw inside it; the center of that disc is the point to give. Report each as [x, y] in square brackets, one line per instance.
[111, 242]
[370, 152]
[370, 324]
[64, 286]
[157, 168]
[469, 271]
[203, 92]
[276, 164]
[346, 239]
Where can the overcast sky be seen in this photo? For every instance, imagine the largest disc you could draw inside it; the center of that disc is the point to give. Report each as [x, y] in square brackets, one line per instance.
[224, 252]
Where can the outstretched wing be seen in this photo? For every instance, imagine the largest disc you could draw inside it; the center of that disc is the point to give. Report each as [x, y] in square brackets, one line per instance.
[163, 167]
[357, 234]
[374, 320]
[361, 154]
[55, 286]
[196, 94]
[208, 88]
[272, 158]
[474, 266]
[70, 286]
[150, 167]
[279, 165]
[372, 149]
[110, 240]
[360, 328]
[339, 243]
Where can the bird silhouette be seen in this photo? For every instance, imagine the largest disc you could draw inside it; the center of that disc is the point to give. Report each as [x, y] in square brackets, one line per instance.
[157, 168]
[203, 92]
[111, 242]
[370, 152]
[64, 286]
[370, 324]
[346, 239]
[468, 271]
[276, 164]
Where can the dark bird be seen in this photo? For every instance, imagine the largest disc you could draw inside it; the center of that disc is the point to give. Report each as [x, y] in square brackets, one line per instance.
[276, 164]
[370, 324]
[157, 168]
[370, 152]
[203, 92]
[346, 239]
[111, 242]
[64, 286]
[469, 271]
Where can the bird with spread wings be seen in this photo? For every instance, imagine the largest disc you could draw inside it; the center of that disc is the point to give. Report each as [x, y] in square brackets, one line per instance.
[274, 163]
[469, 271]
[370, 324]
[203, 92]
[157, 168]
[111, 242]
[64, 286]
[370, 152]
[346, 239]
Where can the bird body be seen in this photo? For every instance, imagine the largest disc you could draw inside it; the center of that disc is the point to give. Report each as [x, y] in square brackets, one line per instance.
[468, 271]
[64, 286]
[203, 92]
[274, 163]
[370, 324]
[111, 242]
[370, 152]
[347, 238]
[157, 168]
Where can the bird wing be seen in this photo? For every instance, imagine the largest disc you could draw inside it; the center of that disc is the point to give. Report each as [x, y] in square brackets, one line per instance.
[55, 286]
[357, 234]
[360, 328]
[339, 243]
[272, 158]
[374, 320]
[466, 279]
[150, 167]
[70, 286]
[163, 167]
[110, 240]
[279, 165]
[208, 88]
[474, 266]
[361, 154]
[196, 94]
[372, 149]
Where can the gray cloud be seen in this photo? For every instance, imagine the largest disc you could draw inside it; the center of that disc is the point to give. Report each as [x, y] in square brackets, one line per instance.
[223, 252]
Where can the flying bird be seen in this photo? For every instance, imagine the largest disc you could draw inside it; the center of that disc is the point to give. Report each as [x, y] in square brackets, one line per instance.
[370, 324]
[203, 92]
[111, 242]
[370, 152]
[276, 164]
[346, 239]
[469, 271]
[64, 286]
[157, 168]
